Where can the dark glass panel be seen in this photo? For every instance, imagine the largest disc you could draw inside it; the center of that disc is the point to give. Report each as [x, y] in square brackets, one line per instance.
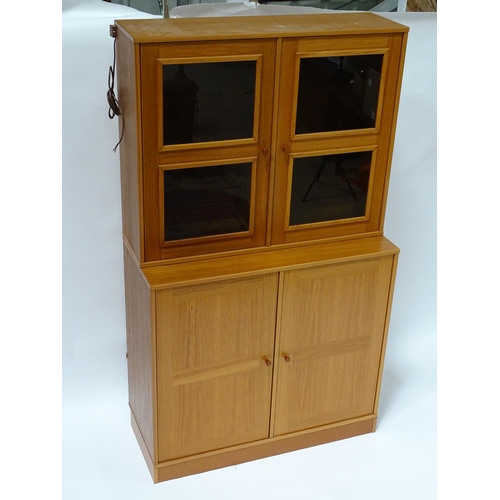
[328, 188]
[338, 93]
[206, 201]
[208, 101]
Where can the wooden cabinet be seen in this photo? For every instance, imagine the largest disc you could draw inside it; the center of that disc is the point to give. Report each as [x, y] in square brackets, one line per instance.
[255, 166]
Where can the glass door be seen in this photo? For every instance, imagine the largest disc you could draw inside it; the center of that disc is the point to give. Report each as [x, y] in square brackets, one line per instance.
[207, 115]
[334, 136]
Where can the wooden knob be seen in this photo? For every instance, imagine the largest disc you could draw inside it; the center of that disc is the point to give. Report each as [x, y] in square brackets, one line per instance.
[287, 359]
[267, 361]
[265, 150]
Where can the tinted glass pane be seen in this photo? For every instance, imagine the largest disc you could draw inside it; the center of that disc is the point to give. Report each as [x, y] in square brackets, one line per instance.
[208, 101]
[327, 188]
[338, 93]
[207, 201]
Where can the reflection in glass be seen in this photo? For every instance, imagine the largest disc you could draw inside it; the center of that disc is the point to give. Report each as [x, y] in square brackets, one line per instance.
[206, 201]
[208, 101]
[338, 93]
[327, 188]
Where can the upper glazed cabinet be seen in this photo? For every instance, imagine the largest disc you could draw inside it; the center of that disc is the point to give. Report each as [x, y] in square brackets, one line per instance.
[270, 131]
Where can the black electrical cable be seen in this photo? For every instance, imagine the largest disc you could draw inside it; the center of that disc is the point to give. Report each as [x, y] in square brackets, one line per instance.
[114, 107]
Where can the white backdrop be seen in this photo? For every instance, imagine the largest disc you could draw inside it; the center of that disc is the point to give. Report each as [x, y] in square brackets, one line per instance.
[101, 459]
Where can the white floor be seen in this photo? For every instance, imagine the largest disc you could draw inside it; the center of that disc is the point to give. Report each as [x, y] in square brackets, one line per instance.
[101, 459]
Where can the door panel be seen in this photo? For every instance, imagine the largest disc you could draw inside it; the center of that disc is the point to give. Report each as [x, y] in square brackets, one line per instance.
[206, 107]
[332, 327]
[214, 386]
[334, 136]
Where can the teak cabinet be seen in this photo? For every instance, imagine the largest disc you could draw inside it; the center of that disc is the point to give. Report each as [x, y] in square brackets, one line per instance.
[255, 167]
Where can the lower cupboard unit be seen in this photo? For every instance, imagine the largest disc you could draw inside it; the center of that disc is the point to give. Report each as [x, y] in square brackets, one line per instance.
[238, 357]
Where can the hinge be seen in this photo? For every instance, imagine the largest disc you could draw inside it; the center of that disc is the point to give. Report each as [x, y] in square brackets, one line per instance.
[112, 31]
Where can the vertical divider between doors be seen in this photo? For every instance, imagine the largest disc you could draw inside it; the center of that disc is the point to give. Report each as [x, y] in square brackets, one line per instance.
[277, 345]
[274, 141]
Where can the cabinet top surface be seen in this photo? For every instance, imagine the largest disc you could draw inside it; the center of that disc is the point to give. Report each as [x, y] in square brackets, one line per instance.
[273, 26]
[270, 260]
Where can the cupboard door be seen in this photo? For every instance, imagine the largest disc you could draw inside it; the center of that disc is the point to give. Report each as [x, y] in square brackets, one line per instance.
[338, 99]
[207, 112]
[332, 328]
[214, 363]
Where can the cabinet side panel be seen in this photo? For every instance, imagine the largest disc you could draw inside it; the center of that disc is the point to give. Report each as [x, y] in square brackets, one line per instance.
[386, 331]
[130, 169]
[139, 349]
[398, 45]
